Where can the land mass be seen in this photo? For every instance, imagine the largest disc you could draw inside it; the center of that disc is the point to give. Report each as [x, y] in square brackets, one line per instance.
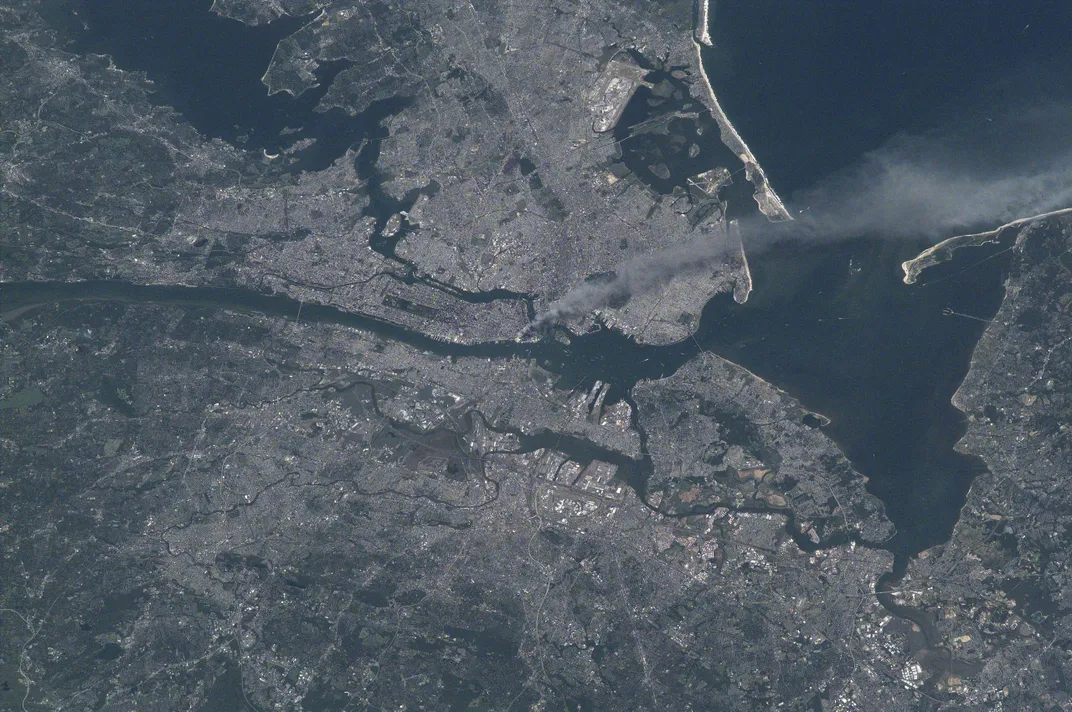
[270, 439]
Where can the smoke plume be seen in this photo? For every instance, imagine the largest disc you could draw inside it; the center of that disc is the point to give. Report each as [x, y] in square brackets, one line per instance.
[988, 171]
[984, 170]
[638, 276]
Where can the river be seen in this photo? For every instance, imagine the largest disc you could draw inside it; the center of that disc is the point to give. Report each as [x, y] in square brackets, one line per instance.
[811, 87]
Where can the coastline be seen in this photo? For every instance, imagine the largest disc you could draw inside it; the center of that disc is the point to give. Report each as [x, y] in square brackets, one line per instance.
[701, 34]
[768, 201]
[943, 251]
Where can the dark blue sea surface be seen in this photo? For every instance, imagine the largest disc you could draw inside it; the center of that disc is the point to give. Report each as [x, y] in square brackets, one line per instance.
[836, 327]
[812, 85]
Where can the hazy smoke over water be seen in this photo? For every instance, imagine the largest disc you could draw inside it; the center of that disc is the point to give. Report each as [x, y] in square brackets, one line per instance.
[985, 171]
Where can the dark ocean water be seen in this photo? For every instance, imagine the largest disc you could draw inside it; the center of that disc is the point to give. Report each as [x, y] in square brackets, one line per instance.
[814, 86]
[837, 328]
[811, 86]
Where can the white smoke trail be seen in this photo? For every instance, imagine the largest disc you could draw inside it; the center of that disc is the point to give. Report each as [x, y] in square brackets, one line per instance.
[985, 170]
[638, 276]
